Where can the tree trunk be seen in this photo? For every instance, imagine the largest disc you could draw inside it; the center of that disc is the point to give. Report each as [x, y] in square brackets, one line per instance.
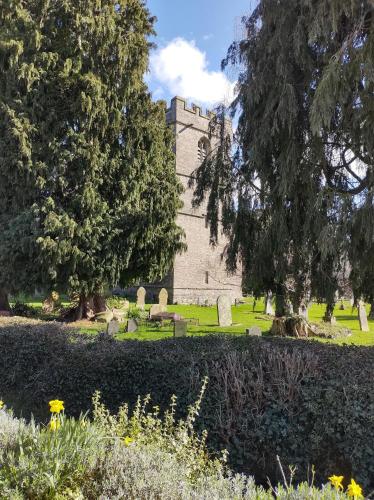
[4, 301]
[291, 327]
[280, 305]
[371, 314]
[87, 308]
[329, 312]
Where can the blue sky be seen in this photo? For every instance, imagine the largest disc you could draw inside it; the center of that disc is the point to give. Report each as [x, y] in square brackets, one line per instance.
[192, 38]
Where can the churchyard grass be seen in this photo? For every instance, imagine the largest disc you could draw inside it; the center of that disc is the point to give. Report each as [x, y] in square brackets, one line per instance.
[243, 317]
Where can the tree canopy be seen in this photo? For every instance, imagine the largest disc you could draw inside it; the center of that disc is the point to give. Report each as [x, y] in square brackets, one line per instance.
[303, 166]
[88, 191]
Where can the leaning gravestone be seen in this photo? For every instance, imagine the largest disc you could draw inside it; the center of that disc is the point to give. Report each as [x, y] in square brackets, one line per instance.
[140, 298]
[224, 310]
[362, 317]
[155, 309]
[180, 328]
[112, 328]
[268, 304]
[132, 326]
[254, 331]
[163, 298]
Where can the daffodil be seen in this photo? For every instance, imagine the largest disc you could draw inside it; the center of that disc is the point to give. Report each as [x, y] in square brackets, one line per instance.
[128, 440]
[56, 406]
[54, 424]
[1, 404]
[336, 481]
[354, 490]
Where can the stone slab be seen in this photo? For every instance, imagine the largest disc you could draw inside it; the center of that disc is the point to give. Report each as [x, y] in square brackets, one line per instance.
[180, 329]
[254, 331]
[224, 310]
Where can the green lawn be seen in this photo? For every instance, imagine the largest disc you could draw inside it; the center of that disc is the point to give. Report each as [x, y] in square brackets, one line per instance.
[243, 317]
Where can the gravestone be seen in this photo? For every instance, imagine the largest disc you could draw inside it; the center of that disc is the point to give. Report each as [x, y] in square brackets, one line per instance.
[268, 304]
[119, 315]
[342, 307]
[104, 317]
[163, 298]
[362, 317]
[224, 310]
[140, 298]
[132, 326]
[180, 329]
[303, 311]
[288, 309]
[254, 331]
[112, 328]
[155, 309]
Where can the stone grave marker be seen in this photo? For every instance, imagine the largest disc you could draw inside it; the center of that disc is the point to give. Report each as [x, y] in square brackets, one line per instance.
[362, 317]
[140, 298]
[224, 310]
[180, 329]
[303, 311]
[268, 304]
[163, 298]
[155, 309]
[112, 328]
[254, 331]
[132, 326]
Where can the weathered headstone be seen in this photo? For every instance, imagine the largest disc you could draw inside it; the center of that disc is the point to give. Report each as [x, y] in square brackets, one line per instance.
[112, 328]
[303, 311]
[180, 328]
[163, 298]
[268, 304]
[155, 309]
[254, 331]
[224, 310]
[132, 326]
[104, 317]
[362, 317]
[140, 298]
[119, 314]
[289, 309]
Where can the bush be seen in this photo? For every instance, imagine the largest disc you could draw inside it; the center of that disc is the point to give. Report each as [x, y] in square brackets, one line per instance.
[20, 309]
[164, 460]
[309, 403]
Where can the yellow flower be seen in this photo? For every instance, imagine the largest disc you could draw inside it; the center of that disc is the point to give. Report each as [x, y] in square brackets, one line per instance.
[128, 440]
[54, 424]
[336, 481]
[56, 406]
[354, 490]
[1, 404]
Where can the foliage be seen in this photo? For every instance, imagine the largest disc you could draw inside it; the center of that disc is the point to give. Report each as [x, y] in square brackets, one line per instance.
[82, 459]
[297, 195]
[88, 192]
[308, 402]
[20, 309]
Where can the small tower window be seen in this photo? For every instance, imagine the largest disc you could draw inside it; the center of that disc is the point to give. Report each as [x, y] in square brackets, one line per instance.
[203, 149]
[206, 277]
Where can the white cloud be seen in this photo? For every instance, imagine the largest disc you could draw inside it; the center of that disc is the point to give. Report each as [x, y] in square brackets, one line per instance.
[209, 36]
[183, 69]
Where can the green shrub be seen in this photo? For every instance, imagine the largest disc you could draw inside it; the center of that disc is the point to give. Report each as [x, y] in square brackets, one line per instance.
[20, 309]
[309, 403]
[165, 460]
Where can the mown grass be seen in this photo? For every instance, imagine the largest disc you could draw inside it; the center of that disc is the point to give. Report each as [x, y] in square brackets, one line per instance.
[244, 316]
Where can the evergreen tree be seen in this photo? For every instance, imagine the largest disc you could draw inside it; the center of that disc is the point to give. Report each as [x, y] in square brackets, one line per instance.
[89, 194]
[304, 160]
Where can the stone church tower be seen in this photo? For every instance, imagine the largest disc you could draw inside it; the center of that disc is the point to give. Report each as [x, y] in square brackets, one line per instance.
[198, 275]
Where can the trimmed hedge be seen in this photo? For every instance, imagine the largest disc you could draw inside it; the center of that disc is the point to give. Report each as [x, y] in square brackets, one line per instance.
[309, 403]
